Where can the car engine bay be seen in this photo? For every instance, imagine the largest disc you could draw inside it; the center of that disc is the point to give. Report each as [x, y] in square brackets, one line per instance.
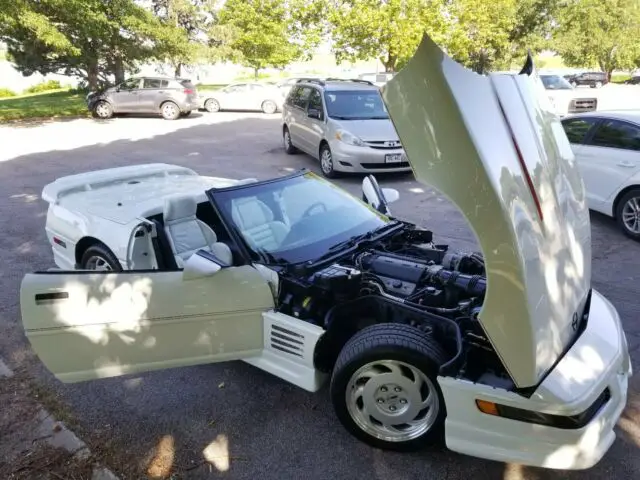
[403, 278]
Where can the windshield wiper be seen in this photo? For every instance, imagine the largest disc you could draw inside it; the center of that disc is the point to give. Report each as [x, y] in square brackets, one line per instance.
[355, 239]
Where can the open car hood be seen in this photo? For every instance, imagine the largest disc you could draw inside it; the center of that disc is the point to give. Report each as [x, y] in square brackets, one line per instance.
[492, 145]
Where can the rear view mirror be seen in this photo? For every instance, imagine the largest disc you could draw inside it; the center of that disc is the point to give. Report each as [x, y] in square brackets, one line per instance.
[391, 194]
[202, 264]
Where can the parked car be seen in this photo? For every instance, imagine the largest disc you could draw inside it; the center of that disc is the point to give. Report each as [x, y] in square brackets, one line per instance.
[285, 85]
[170, 97]
[607, 148]
[300, 279]
[591, 79]
[344, 124]
[564, 98]
[248, 96]
[633, 81]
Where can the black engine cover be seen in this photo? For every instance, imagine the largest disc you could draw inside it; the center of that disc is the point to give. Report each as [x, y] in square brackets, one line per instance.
[395, 268]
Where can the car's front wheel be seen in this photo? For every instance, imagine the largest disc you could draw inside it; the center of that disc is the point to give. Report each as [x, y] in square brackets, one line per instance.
[170, 111]
[103, 110]
[384, 387]
[212, 105]
[286, 140]
[628, 214]
[326, 162]
[99, 257]
[598, 84]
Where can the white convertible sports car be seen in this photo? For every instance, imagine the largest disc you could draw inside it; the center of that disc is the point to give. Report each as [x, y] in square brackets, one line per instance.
[511, 356]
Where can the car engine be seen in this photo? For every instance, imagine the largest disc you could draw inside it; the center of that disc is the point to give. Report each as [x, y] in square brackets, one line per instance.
[403, 279]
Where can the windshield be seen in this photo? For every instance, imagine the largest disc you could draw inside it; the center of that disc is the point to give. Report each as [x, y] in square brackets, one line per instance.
[355, 105]
[295, 219]
[555, 82]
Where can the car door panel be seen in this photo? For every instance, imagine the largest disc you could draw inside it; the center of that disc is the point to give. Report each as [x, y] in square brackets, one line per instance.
[127, 97]
[606, 165]
[299, 115]
[86, 325]
[311, 129]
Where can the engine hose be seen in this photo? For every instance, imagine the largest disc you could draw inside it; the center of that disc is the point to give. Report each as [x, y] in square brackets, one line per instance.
[413, 304]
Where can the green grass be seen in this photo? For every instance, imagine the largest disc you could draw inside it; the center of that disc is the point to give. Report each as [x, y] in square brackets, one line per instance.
[210, 86]
[61, 103]
[620, 77]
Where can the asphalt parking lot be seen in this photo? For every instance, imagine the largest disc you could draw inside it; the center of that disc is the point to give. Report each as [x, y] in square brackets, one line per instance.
[270, 429]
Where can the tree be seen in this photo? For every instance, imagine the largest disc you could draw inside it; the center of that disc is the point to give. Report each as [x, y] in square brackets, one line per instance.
[593, 32]
[478, 34]
[389, 30]
[266, 34]
[92, 39]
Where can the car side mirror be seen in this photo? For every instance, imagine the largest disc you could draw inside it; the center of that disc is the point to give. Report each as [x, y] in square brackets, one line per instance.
[314, 113]
[202, 264]
[378, 198]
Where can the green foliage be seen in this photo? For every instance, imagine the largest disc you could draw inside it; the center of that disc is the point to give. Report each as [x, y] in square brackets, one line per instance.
[92, 39]
[620, 77]
[6, 93]
[269, 33]
[388, 30]
[45, 105]
[44, 87]
[593, 32]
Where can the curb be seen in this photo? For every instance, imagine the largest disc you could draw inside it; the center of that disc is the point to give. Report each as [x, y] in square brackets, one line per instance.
[58, 435]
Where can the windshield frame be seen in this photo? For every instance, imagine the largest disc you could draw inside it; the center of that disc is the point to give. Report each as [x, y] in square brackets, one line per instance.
[251, 256]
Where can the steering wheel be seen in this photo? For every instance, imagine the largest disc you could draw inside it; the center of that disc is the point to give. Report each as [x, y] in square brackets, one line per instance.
[307, 212]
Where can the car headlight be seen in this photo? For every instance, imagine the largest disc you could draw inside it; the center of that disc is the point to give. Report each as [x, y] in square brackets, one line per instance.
[349, 138]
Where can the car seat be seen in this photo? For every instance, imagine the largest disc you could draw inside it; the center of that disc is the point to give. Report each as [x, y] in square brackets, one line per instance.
[187, 234]
[256, 223]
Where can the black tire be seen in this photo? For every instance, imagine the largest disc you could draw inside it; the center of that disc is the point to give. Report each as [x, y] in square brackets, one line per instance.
[102, 110]
[286, 140]
[170, 111]
[326, 166]
[102, 252]
[185, 114]
[397, 343]
[269, 107]
[620, 213]
[212, 105]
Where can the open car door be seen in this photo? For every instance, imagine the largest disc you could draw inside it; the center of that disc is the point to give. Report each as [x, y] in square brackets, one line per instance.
[86, 324]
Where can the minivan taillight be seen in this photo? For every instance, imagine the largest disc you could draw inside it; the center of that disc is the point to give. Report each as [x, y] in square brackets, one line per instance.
[188, 91]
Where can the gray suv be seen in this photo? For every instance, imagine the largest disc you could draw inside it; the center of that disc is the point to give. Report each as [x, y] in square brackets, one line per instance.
[170, 97]
[344, 124]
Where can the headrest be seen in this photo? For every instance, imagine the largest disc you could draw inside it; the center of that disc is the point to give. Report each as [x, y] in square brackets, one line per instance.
[250, 212]
[180, 206]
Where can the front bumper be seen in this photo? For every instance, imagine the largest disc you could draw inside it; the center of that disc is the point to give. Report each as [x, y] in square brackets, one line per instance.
[599, 360]
[349, 158]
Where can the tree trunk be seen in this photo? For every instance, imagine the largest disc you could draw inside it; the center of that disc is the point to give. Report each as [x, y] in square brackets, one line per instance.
[118, 69]
[256, 70]
[92, 75]
[389, 62]
[178, 69]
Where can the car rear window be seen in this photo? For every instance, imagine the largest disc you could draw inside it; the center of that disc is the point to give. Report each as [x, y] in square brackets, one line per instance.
[615, 134]
[187, 84]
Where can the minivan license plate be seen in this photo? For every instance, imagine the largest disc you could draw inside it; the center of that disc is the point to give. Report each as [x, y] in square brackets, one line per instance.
[393, 158]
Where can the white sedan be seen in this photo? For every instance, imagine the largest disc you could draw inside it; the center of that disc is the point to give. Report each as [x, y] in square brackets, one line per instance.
[607, 148]
[511, 356]
[250, 96]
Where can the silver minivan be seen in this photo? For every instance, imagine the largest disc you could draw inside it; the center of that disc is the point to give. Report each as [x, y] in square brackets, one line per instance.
[344, 124]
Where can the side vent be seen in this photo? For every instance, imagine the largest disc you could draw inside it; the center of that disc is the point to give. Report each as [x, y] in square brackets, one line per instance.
[286, 340]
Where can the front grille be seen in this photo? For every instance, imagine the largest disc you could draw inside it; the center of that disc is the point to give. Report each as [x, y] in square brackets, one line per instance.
[384, 144]
[583, 105]
[379, 166]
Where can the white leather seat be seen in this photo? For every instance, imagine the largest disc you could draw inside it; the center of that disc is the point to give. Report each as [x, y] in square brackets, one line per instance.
[187, 234]
[255, 221]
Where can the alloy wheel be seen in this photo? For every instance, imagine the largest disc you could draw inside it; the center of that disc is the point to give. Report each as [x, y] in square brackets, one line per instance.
[96, 262]
[326, 162]
[631, 215]
[392, 400]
